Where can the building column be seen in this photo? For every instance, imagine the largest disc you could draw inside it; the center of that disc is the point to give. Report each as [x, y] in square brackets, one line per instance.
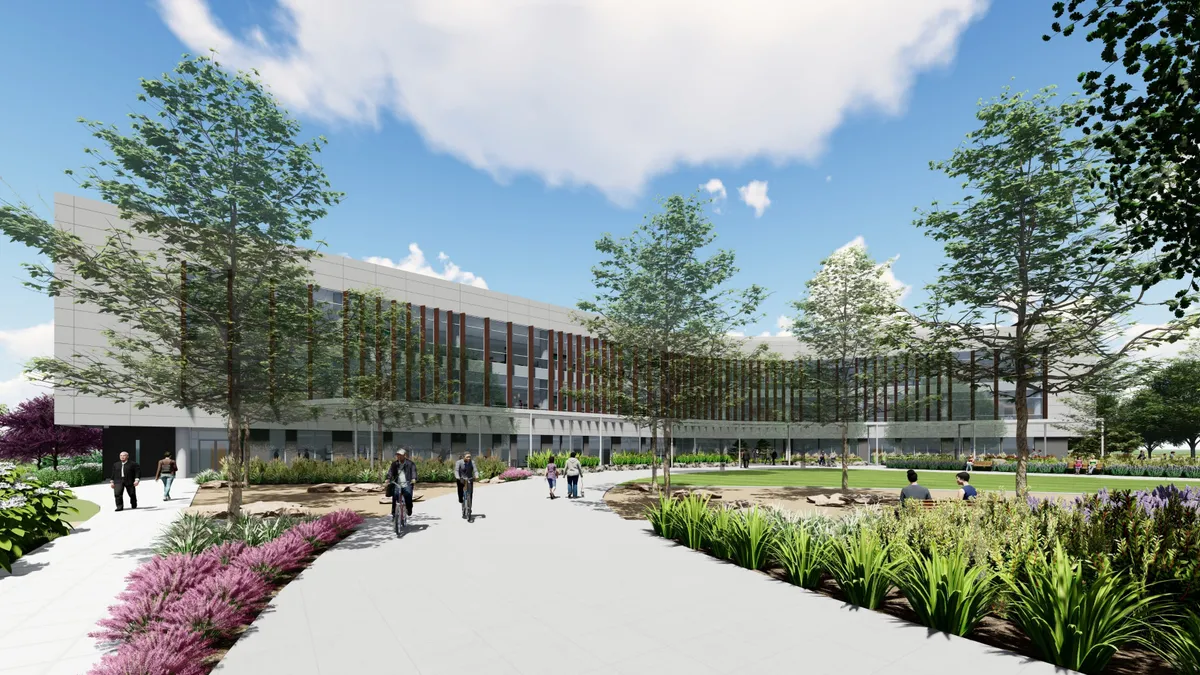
[181, 451]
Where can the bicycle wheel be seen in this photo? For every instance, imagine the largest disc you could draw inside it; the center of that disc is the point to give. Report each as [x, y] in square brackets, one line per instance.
[397, 515]
[467, 503]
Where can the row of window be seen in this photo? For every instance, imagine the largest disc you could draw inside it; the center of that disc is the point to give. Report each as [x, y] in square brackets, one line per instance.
[451, 357]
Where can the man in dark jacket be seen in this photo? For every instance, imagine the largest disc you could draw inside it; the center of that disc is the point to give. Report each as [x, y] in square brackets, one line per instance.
[125, 477]
[403, 473]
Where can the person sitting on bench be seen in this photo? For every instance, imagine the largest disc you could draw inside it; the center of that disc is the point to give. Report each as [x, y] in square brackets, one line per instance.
[913, 490]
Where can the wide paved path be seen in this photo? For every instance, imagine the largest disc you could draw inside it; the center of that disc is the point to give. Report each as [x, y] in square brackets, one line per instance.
[56, 594]
[534, 586]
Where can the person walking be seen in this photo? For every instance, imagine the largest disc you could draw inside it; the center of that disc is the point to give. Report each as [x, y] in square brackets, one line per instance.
[551, 475]
[574, 471]
[774, 457]
[123, 477]
[966, 491]
[166, 470]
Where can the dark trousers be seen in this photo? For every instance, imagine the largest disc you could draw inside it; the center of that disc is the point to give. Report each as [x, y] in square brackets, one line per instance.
[119, 489]
[407, 495]
[572, 486]
[460, 490]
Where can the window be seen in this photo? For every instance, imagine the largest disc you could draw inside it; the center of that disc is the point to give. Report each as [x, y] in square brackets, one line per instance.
[260, 435]
[520, 340]
[343, 436]
[541, 349]
[289, 436]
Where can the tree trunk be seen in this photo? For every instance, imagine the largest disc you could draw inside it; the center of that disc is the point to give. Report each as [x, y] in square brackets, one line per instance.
[1022, 406]
[54, 456]
[667, 452]
[234, 504]
[1192, 445]
[845, 456]
[654, 457]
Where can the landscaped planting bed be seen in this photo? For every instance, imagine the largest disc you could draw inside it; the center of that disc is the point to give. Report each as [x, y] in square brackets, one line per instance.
[348, 470]
[1104, 584]
[186, 606]
[31, 513]
[1114, 466]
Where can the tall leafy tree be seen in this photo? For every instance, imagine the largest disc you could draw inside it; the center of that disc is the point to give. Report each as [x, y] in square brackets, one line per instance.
[1144, 414]
[374, 328]
[849, 310]
[1021, 279]
[1177, 387]
[663, 303]
[215, 313]
[1147, 118]
[29, 433]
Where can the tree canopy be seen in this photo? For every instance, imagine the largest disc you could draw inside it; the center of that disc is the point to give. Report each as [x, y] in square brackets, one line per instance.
[28, 434]
[1145, 114]
[206, 283]
[662, 301]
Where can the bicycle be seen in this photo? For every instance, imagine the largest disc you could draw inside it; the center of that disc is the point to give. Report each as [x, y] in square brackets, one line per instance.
[468, 491]
[399, 511]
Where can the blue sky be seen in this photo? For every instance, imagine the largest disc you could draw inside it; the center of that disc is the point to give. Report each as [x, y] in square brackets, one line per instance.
[510, 144]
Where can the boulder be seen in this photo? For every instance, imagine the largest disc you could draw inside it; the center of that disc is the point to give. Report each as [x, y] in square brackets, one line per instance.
[325, 488]
[707, 493]
[822, 500]
[866, 500]
[365, 487]
[642, 487]
[274, 509]
[496, 479]
[210, 511]
[214, 484]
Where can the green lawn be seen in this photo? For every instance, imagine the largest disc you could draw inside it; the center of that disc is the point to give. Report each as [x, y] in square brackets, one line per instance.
[85, 510]
[872, 478]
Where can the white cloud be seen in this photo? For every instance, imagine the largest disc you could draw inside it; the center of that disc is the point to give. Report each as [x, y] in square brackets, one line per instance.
[828, 179]
[889, 275]
[765, 333]
[573, 92]
[17, 389]
[1162, 351]
[784, 323]
[18, 346]
[415, 262]
[715, 188]
[22, 344]
[755, 196]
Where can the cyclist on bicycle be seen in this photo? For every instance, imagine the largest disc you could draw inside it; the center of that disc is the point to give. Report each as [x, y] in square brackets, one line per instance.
[465, 472]
[403, 475]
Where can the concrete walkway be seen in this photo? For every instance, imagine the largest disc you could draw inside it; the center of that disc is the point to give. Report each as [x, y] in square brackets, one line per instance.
[56, 594]
[534, 586]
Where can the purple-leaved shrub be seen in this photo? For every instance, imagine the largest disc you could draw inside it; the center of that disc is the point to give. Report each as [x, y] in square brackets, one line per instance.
[342, 521]
[318, 533]
[227, 552]
[168, 652]
[132, 617]
[208, 615]
[277, 558]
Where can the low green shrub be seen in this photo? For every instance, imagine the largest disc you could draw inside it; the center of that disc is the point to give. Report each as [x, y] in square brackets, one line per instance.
[31, 513]
[1072, 622]
[863, 567]
[702, 458]
[632, 458]
[539, 460]
[1178, 642]
[193, 533]
[750, 539]
[694, 515]
[350, 470]
[946, 591]
[802, 554]
[662, 517]
[75, 475]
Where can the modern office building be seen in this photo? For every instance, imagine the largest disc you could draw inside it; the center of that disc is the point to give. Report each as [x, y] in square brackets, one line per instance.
[511, 364]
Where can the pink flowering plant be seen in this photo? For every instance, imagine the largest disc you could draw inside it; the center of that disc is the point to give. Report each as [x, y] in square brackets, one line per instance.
[515, 474]
[180, 609]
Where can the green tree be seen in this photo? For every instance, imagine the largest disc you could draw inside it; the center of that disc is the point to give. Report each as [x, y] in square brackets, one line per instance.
[214, 313]
[372, 328]
[1145, 414]
[1021, 279]
[1147, 120]
[1177, 386]
[849, 311]
[665, 308]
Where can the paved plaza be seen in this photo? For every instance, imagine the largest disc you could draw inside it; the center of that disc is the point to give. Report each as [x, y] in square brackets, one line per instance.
[534, 586]
[56, 594]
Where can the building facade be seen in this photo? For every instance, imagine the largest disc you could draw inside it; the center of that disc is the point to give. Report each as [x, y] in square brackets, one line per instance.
[500, 375]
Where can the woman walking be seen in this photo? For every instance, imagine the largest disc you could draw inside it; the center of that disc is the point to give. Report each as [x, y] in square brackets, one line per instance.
[574, 470]
[551, 475]
[166, 471]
